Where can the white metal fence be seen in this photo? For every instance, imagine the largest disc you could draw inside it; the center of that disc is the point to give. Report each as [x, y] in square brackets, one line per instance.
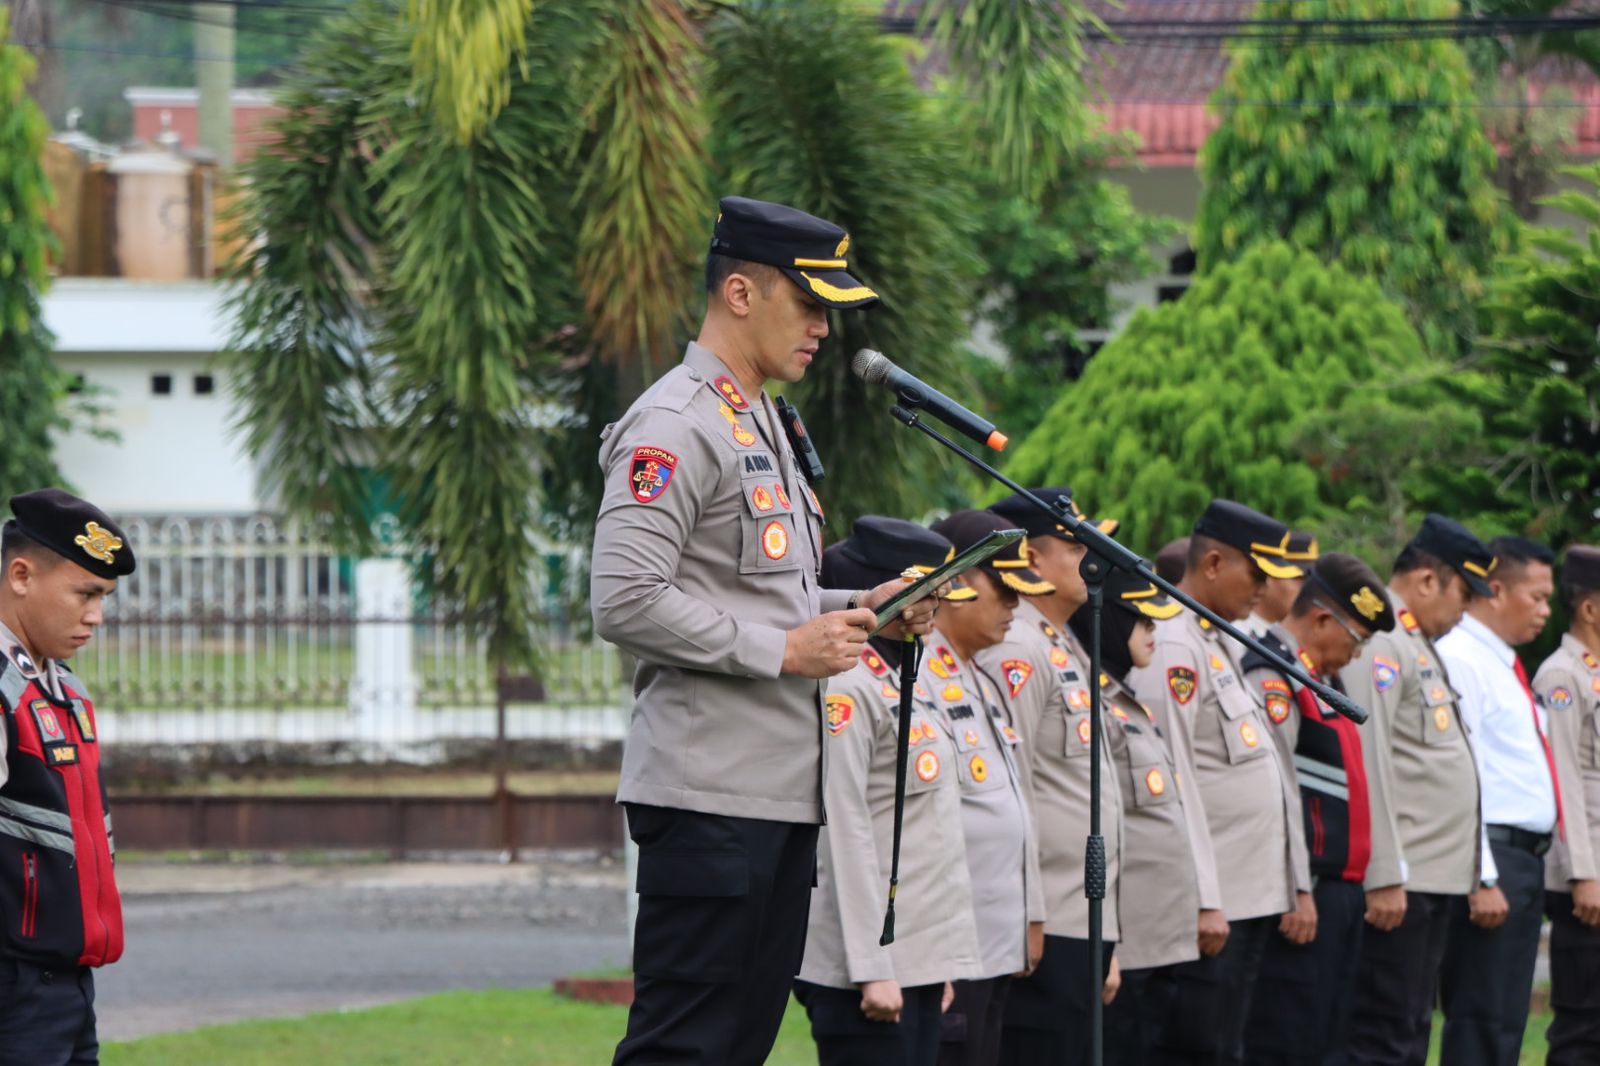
[245, 630]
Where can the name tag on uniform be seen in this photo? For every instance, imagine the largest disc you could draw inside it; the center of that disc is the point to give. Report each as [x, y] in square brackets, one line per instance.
[62, 754]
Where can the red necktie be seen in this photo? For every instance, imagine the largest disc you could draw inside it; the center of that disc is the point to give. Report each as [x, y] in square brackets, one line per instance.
[1550, 760]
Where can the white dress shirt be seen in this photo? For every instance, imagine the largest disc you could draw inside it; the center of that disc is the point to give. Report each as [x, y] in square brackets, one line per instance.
[1501, 715]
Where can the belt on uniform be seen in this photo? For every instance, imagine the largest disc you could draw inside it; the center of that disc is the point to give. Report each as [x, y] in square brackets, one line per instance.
[1511, 836]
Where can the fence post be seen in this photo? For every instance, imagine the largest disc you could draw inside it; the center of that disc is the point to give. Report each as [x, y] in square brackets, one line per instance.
[383, 691]
[505, 809]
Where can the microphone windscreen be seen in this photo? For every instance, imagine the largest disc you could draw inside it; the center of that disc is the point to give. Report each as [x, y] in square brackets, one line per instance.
[870, 366]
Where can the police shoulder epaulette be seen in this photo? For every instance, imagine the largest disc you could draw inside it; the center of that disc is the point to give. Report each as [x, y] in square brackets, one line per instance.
[1254, 660]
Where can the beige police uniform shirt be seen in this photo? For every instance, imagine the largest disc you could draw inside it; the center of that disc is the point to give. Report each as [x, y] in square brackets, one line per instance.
[1422, 782]
[1002, 851]
[1043, 681]
[1568, 688]
[936, 935]
[1220, 740]
[1158, 893]
[706, 552]
[1275, 696]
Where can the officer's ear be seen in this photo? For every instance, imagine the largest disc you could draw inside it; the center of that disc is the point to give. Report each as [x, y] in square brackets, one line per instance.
[738, 291]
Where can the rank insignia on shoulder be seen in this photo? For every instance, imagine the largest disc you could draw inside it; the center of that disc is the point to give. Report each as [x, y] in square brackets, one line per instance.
[1155, 782]
[1105, 680]
[874, 662]
[1385, 672]
[1085, 732]
[1305, 661]
[1408, 620]
[1017, 673]
[1277, 707]
[938, 668]
[730, 392]
[1558, 698]
[840, 710]
[1180, 679]
[952, 692]
[651, 472]
[1048, 630]
[927, 766]
[948, 658]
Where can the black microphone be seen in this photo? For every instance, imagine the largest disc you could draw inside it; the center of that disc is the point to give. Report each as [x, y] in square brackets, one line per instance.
[875, 368]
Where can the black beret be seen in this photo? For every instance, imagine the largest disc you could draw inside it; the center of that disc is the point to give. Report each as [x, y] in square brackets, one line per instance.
[1354, 588]
[1138, 595]
[880, 549]
[74, 529]
[1450, 542]
[1582, 567]
[1266, 540]
[1010, 567]
[810, 251]
[1021, 513]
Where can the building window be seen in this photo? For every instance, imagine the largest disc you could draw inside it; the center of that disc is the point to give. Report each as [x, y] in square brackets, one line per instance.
[161, 384]
[76, 384]
[204, 385]
[1167, 293]
[1182, 263]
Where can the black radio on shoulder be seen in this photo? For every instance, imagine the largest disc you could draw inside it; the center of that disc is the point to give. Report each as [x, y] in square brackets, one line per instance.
[800, 441]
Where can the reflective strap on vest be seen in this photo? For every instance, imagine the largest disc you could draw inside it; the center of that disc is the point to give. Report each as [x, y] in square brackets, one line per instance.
[35, 835]
[12, 683]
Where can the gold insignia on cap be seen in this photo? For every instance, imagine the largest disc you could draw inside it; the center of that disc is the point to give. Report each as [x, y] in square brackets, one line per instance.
[844, 246]
[1367, 602]
[98, 542]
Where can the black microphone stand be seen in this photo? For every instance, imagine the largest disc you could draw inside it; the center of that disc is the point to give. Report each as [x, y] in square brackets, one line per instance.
[902, 748]
[1105, 553]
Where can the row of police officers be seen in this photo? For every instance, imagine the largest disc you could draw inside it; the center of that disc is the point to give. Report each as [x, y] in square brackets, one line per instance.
[1283, 885]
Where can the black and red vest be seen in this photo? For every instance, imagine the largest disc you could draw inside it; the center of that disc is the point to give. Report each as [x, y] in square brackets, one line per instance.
[58, 893]
[1331, 773]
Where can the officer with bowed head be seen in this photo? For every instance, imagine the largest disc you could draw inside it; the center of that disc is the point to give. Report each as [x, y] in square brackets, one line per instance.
[870, 1004]
[1422, 789]
[707, 552]
[1568, 687]
[1246, 809]
[1000, 834]
[1300, 1015]
[61, 557]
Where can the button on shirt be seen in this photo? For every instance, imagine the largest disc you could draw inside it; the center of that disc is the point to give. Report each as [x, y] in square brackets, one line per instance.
[1517, 789]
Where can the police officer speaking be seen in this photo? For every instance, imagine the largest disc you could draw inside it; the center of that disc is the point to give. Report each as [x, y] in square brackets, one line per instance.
[61, 557]
[706, 557]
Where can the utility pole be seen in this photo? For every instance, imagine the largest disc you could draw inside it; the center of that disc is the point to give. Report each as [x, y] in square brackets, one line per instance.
[213, 51]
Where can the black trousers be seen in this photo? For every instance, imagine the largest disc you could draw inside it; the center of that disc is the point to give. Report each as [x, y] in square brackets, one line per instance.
[1574, 985]
[970, 1029]
[846, 1037]
[1397, 983]
[1047, 1015]
[1301, 1012]
[47, 1016]
[1487, 977]
[723, 904]
[1211, 1001]
[1139, 1015]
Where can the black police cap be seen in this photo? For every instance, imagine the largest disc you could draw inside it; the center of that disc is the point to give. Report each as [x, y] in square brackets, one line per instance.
[1022, 514]
[1139, 595]
[811, 251]
[1450, 542]
[74, 529]
[1582, 567]
[1266, 540]
[1302, 547]
[1010, 567]
[1354, 589]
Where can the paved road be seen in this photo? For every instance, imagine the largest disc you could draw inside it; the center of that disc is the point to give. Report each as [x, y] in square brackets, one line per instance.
[220, 943]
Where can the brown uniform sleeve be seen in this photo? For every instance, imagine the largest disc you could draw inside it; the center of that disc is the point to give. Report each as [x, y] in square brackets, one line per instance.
[637, 550]
[850, 846]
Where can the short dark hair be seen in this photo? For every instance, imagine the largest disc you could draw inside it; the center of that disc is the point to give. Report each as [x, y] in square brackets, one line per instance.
[14, 543]
[1573, 595]
[1513, 554]
[721, 267]
[1172, 559]
[1199, 544]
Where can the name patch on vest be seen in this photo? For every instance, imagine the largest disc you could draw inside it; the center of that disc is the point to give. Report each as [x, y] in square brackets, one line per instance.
[62, 754]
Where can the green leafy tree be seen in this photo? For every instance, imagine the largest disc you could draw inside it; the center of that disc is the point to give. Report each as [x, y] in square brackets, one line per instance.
[1275, 380]
[1372, 157]
[1544, 359]
[32, 387]
[860, 144]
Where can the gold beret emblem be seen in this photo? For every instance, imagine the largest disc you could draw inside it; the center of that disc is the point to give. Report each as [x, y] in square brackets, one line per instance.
[1367, 602]
[98, 542]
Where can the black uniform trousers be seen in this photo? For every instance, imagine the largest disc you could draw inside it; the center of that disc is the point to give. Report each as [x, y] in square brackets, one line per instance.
[47, 1016]
[1574, 985]
[970, 1030]
[723, 906]
[1301, 1012]
[1047, 1015]
[846, 1037]
[1397, 983]
[1137, 1017]
[1487, 977]
[1211, 1001]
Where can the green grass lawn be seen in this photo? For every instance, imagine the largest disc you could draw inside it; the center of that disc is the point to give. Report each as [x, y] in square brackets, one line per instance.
[495, 1028]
